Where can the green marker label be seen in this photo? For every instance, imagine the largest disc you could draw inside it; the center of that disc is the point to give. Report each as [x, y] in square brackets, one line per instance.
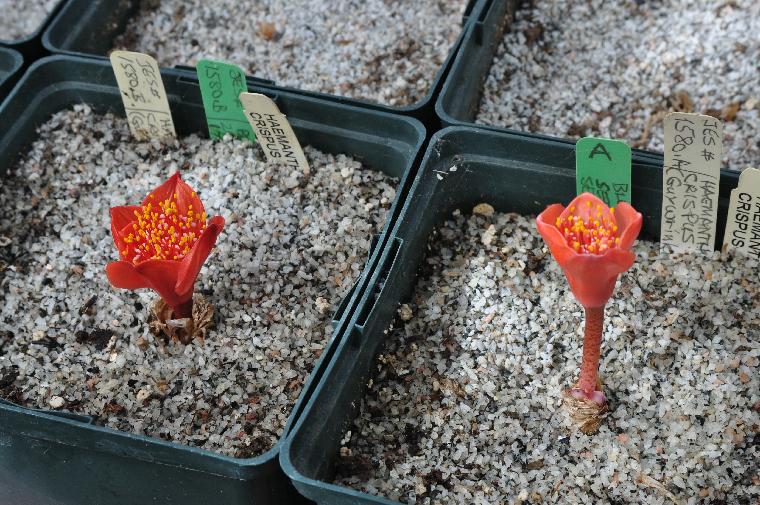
[603, 168]
[221, 85]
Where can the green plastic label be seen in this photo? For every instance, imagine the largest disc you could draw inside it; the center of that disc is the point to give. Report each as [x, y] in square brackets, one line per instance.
[603, 168]
[221, 85]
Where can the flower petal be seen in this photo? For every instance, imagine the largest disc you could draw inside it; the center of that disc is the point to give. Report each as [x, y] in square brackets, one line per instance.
[619, 260]
[121, 218]
[586, 206]
[551, 213]
[592, 277]
[546, 224]
[164, 191]
[191, 264]
[629, 222]
[162, 277]
[123, 215]
[185, 196]
[158, 275]
[122, 274]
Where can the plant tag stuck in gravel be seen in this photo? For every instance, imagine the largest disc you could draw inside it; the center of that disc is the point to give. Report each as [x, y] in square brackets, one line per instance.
[273, 131]
[691, 175]
[603, 168]
[743, 222]
[221, 84]
[142, 91]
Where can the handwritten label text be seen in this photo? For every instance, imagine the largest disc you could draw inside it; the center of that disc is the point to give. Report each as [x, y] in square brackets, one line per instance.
[691, 175]
[143, 94]
[273, 131]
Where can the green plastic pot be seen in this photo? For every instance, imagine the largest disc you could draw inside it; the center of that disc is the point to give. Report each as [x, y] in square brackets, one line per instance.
[30, 46]
[88, 28]
[10, 69]
[513, 173]
[51, 457]
[459, 101]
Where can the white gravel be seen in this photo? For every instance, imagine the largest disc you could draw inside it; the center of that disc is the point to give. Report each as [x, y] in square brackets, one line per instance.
[387, 51]
[290, 250]
[614, 68]
[465, 407]
[21, 18]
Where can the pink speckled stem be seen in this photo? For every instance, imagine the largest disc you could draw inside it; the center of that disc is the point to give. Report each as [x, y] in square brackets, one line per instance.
[592, 344]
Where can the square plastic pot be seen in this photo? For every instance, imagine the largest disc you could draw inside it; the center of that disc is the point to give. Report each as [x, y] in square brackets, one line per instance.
[514, 173]
[30, 45]
[459, 101]
[59, 458]
[88, 28]
[10, 69]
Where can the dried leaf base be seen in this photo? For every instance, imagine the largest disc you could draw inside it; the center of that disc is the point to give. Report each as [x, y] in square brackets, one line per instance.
[585, 415]
[183, 330]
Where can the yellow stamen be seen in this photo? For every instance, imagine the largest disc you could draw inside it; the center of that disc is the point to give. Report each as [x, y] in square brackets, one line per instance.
[593, 236]
[161, 232]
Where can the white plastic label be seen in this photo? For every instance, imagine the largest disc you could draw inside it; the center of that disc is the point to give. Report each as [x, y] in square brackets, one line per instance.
[273, 131]
[144, 97]
[743, 221]
[690, 180]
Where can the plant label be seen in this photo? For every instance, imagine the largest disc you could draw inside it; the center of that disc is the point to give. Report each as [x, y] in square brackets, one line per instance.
[143, 94]
[690, 180]
[273, 131]
[743, 222]
[221, 84]
[603, 168]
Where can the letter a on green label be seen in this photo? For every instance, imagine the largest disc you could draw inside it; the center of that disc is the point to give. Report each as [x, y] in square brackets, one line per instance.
[221, 84]
[603, 168]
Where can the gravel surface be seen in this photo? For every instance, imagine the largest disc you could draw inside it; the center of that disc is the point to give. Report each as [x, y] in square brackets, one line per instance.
[615, 68]
[20, 18]
[288, 253]
[386, 51]
[466, 404]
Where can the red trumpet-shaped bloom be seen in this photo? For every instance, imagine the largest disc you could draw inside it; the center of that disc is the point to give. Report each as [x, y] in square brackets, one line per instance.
[592, 243]
[163, 243]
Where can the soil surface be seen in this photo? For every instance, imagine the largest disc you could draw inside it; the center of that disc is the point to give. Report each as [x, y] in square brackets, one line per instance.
[616, 68]
[288, 253]
[386, 51]
[466, 404]
[21, 18]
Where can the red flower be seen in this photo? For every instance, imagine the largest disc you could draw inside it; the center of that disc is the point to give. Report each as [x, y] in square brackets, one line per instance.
[592, 243]
[163, 243]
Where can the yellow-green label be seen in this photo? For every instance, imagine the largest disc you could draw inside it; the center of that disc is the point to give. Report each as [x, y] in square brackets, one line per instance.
[603, 168]
[221, 85]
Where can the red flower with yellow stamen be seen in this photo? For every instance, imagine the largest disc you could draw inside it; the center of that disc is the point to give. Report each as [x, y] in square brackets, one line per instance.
[592, 243]
[163, 243]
